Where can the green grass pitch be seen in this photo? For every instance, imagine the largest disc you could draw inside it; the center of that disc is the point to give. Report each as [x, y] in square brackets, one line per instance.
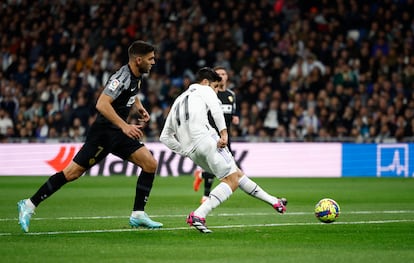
[87, 221]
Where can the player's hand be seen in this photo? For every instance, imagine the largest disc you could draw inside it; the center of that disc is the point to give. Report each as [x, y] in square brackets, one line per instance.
[133, 131]
[222, 142]
[224, 139]
[144, 115]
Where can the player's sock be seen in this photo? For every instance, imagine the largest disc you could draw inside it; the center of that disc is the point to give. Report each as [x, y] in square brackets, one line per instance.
[143, 189]
[30, 204]
[137, 214]
[208, 182]
[54, 183]
[253, 189]
[219, 194]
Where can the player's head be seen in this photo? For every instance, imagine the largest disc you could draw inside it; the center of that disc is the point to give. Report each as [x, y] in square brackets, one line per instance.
[208, 74]
[222, 72]
[141, 55]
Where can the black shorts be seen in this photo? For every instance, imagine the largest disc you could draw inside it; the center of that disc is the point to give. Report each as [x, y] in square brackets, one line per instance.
[102, 140]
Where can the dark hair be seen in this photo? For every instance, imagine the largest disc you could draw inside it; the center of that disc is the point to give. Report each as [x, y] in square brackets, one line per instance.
[139, 48]
[220, 67]
[207, 73]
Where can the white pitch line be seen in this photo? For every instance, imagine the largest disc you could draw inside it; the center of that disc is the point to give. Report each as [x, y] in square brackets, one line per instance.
[212, 214]
[211, 227]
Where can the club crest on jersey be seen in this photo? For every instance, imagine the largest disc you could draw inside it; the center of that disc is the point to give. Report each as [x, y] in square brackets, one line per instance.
[114, 84]
[230, 98]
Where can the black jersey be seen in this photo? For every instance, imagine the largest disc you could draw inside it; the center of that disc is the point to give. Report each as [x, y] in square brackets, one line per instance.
[103, 136]
[123, 87]
[228, 105]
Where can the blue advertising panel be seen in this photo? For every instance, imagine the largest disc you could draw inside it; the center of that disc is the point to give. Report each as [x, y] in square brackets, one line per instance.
[379, 160]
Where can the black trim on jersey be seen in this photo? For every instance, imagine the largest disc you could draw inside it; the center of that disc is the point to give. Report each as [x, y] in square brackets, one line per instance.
[121, 102]
[126, 78]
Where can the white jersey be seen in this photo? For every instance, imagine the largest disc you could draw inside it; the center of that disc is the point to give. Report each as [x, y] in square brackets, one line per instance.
[187, 123]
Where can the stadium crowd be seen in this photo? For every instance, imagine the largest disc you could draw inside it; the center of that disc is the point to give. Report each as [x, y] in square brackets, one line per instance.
[326, 70]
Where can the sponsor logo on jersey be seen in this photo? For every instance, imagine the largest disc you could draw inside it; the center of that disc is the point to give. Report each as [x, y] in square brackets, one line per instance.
[114, 84]
[131, 100]
[227, 109]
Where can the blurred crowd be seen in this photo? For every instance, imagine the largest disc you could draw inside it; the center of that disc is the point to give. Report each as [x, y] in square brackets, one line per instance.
[327, 70]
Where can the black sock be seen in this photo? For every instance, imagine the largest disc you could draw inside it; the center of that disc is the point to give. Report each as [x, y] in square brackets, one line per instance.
[54, 183]
[208, 182]
[143, 189]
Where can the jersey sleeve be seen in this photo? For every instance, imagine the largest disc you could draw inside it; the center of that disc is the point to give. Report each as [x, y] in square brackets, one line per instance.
[113, 88]
[213, 104]
[167, 136]
[234, 110]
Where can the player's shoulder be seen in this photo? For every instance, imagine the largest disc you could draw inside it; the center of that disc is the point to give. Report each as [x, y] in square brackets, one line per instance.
[231, 92]
[121, 77]
[123, 74]
[226, 93]
[200, 89]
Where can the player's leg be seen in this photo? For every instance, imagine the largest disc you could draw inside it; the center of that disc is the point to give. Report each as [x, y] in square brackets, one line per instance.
[81, 162]
[228, 184]
[143, 158]
[91, 153]
[208, 183]
[26, 207]
[253, 189]
[218, 195]
[198, 178]
[72, 172]
[220, 163]
[243, 182]
[224, 190]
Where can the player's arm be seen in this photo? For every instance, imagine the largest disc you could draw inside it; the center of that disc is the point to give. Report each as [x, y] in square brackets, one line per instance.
[234, 118]
[218, 116]
[167, 136]
[224, 138]
[144, 115]
[104, 106]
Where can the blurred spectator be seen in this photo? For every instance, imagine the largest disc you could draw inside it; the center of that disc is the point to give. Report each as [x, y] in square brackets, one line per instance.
[309, 123]
[81, 110]
[42, 130]
[339, 58]
[5, 122]
[77, 130]
[271, 121]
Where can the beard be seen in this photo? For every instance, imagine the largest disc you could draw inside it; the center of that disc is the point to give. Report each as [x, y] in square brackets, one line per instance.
[143, 69]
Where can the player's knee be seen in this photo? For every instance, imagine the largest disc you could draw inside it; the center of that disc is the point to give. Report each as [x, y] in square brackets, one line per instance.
[232, 180]
[73, 171]
[150, 165]
[72, 174]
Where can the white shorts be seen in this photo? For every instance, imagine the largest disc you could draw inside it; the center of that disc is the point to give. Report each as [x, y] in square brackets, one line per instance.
[218, 161]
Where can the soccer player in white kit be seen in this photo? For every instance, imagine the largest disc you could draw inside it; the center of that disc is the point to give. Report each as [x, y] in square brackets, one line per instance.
[187, 132]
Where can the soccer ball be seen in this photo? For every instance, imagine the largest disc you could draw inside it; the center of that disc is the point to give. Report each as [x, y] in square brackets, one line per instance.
[327, 210]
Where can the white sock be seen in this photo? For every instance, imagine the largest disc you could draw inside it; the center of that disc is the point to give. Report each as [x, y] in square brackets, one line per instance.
[253, 189]
[137, 214]
[30, 204]
[219, 194]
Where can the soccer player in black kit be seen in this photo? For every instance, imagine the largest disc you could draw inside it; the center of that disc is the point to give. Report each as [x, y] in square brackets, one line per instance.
[228, 105]
[110, 133]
